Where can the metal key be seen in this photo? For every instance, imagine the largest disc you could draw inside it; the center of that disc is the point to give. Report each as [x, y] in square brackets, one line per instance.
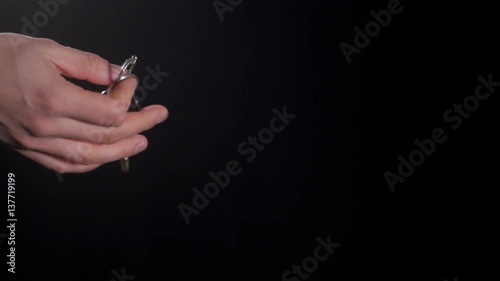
[126, 73]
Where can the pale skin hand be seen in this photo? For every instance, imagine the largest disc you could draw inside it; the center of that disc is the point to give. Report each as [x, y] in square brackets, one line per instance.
[58, 124]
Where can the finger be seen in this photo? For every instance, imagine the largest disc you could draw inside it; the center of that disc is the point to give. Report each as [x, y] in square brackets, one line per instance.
[82, 65]
[56, 164]
[123, 92]
[87, 106]
[138, 122]
[87, 153]
[5, 136]
[134, 123]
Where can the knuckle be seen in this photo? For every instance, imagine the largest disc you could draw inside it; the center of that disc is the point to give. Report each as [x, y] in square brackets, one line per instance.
[39, 128]
[118, 119]
[114, 117]
[46, 42]
[36, 45]
[112, 136]
[107, 137]
[71, 156]
[27, 47]
[106, 121]
[84, 151]
[84, 160]
[120, 106]
[25, 141]
[93, 135]
[93, 60]
[46, 104]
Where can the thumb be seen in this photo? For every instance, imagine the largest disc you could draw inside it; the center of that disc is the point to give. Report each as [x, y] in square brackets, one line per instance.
[83, 65]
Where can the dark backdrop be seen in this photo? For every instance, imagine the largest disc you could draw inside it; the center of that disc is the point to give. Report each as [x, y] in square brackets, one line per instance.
[323, 175]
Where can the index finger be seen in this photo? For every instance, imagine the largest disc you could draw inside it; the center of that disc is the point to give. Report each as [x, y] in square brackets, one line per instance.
[82, 65]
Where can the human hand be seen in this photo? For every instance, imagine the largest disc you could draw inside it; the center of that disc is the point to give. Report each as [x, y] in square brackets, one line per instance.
[58, 124]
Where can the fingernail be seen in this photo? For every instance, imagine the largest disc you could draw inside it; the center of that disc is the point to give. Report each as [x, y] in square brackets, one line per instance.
[140, 147]
[115, 71]
[161, 117]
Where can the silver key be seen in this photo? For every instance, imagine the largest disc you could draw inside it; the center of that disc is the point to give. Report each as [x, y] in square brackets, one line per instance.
[126, 73]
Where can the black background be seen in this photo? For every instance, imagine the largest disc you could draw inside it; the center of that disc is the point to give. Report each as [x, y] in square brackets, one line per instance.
[323, 175]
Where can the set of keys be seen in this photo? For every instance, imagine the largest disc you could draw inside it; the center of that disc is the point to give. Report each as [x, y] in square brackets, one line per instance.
[126, 73]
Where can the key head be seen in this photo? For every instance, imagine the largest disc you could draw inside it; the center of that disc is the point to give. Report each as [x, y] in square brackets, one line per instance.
[126, 72]
[128, 65]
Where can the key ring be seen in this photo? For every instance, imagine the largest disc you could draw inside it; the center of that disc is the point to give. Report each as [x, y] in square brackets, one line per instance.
[126, 73]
